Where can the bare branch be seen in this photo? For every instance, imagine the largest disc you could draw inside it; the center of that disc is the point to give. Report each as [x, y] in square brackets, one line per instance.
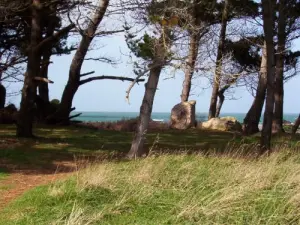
[43, 80]
[86, 74]
[74, 116]
[108, 32]
[109, 78]
[136, 80]
[72, 109]
[102, 59]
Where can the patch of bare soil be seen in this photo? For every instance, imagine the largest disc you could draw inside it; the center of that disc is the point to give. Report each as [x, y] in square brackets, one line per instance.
[22, 180]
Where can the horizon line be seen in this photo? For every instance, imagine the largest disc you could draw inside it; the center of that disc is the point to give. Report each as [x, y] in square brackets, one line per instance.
[165, 112]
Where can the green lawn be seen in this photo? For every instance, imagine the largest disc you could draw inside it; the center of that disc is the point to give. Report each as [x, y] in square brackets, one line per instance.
[183, 186]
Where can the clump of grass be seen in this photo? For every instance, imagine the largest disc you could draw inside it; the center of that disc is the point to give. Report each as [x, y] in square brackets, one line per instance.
[170, 189]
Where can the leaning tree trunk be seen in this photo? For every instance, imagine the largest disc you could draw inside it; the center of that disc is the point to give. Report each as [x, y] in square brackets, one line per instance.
[217, 78]
[268, 24]
[137, 147]
[159, 60]
[65, 106]
[220, 103]
[279, 91]
[190, 66]
[252, 118]
[25, 117]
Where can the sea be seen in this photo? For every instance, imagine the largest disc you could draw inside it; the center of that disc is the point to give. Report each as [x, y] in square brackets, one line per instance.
[158, 116]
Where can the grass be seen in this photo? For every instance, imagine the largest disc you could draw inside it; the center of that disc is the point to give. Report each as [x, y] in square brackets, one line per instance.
[62, 142]
[3, 174]
[179, 184]
[169, 189]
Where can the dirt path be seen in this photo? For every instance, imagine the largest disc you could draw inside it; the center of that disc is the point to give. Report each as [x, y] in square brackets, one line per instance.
[16, 184]
[22, 180]
[28, 167]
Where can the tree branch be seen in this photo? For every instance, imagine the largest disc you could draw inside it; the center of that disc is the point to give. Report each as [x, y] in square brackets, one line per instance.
[108, 32]
[55, 37]
[72, 109]
[102, 59]
[86, 74]
[136, 80]
[109, 78]
[43, 80]
[76, 115]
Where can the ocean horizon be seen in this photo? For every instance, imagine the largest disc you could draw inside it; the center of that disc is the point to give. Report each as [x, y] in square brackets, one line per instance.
[158, 116]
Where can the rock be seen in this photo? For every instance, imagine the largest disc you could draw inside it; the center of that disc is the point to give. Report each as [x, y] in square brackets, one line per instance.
[9, 114]
[183, 115]
[223, 124]
[286, 123]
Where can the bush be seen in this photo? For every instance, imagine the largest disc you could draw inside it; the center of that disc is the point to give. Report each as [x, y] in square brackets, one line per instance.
[8, 115]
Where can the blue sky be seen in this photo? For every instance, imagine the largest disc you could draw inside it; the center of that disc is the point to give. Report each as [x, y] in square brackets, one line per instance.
[105, 95]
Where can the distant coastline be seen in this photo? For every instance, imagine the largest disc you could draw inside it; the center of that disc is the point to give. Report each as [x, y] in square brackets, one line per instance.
[158, 116]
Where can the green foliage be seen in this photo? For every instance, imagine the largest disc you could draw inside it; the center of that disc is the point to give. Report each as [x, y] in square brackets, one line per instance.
[209, 12]
[244, 8]
[15, 34]
[246, 52]
[146, 47]
[292, 59]
[143, 47]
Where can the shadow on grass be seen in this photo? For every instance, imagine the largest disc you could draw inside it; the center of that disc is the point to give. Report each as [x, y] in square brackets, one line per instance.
[61, 149]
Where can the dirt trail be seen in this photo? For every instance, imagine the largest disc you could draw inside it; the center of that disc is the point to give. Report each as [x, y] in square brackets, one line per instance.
[16, 184]
[22, 180]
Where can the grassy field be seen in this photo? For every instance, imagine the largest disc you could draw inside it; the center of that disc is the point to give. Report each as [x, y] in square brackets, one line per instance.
[178, 184]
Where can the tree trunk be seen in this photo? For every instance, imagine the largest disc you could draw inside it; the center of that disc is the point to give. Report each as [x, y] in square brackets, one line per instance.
[217, 78]
[64, 109]
[190, 66]
[252, 118]
[43, 86]
[63, 113]
[268, 24]
[25, 117]
[296, 125]
[220, 103]
[137, 147]
[158, 61]
[2, 96]
[279, 92]
[47, 52]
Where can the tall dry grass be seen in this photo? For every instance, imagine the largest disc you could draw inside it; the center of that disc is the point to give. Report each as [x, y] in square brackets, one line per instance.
[232, 188]
[195, 188]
